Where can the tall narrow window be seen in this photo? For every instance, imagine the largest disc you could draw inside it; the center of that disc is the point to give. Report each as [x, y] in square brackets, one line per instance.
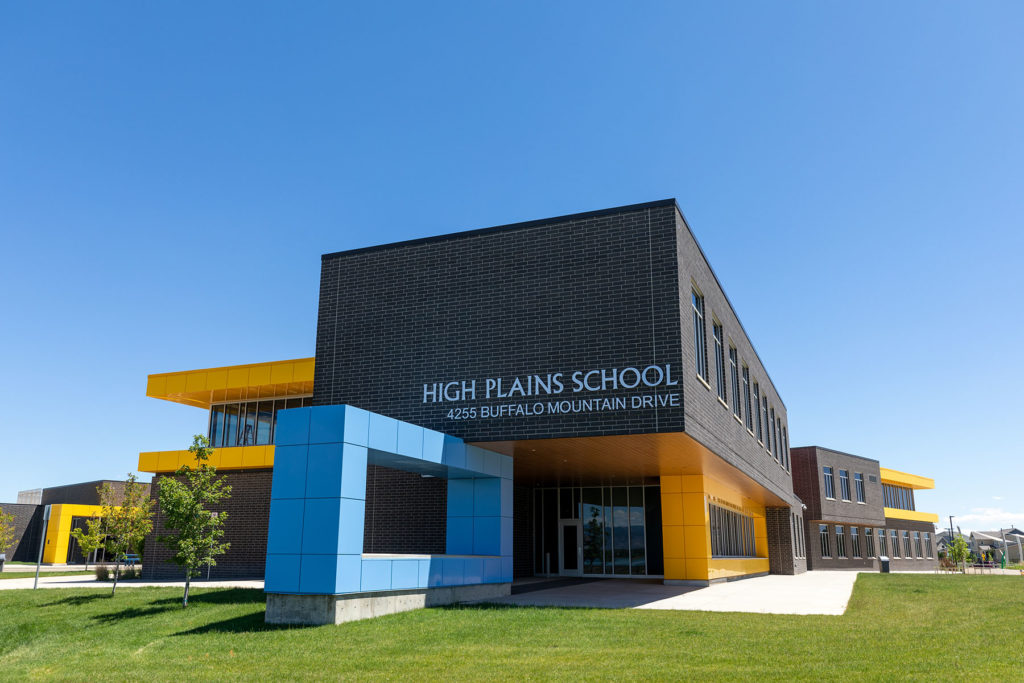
[830, 482]
[840, 542]
[908, 552]
[844, 484]
[746, 398]
[858, 481]
[773, 436]
[778, 436]
[757, 408]
[917, 545]
[855, 541]
[767, 424]
[700, 340]
[823, 537]
[882, 550]
[785, 446]
[719, 361]
[735, 377]
[869, 541]
[927, 545]
[894, 542]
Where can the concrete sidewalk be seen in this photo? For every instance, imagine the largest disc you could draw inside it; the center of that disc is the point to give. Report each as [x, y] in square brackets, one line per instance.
[89, 582]
[810, 593]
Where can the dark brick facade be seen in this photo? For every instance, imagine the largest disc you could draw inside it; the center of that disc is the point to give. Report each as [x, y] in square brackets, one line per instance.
[28, 521]
[405, 513]
[593, 291]
[248, 510]
[782, 542]
[707, 419]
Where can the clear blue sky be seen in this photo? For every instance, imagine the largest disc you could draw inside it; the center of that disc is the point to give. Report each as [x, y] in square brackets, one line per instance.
[170, 175]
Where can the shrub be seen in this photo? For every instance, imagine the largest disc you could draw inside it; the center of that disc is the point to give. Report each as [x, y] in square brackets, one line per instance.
[102, 573]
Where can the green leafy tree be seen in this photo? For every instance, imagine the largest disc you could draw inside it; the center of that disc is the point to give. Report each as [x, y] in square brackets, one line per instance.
[90, 539]
[6, 531]
[127, 518]
[958, 552]
[196, 535]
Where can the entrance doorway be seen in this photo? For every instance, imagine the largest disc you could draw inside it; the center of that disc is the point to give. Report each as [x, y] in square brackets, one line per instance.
[570, 555]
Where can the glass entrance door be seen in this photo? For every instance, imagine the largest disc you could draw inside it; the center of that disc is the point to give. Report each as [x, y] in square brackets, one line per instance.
[570, 549]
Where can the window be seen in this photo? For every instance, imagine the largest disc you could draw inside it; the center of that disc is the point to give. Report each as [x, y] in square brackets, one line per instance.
[858, 481]
[248, 423]
[899, 497]
[844, 484]
[779, 443]
[719, 362]
[869, 541]
[746, 399]
[830, 482]
[785, 447]
[908, 552]
[757, 408]
[823, 536]
[700, 339]
[767, 424]
[917, 545]
[775, 439]
[927, 545]
[882, 550]
[735, 377]
[854, 541]
[894, 541]
[797, 522]
[840, 542]
[732, 533]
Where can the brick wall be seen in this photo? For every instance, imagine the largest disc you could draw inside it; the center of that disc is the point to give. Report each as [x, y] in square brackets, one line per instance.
[28, 520]
[405, 513]
[817, 562]
[582, 292]
[248, 511]
[781, 542]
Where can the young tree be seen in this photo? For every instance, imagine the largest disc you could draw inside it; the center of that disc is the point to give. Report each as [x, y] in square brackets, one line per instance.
[958, 551]
[91, 538]
[128, 523]
[6, 531]
[184, 503]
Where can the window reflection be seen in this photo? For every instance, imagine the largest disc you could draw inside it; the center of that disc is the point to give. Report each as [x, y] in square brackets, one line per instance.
[249, 423]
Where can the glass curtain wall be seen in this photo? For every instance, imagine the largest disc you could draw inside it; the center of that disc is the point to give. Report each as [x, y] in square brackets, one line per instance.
[249, 423]
[621, 528]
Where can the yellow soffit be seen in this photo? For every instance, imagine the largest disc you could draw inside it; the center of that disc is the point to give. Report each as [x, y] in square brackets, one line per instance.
[227, 458]
[913, 481]
[911, 515]
[201, 388]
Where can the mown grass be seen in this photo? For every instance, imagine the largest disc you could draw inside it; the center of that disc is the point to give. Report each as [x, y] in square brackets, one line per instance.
[917, 627]
[42, 575]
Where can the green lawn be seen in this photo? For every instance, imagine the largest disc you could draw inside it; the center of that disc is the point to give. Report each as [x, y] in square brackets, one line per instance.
[29, 575]
[922, 627]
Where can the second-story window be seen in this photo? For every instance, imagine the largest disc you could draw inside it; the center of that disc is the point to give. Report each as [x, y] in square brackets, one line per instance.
[735, 375]
[700, 339]
[719, 361]
[774, 436]
[830, 482]
[249, 423]
[844, 484]
[767, 424]
[746, 398]
[757, 409]
[858, 482]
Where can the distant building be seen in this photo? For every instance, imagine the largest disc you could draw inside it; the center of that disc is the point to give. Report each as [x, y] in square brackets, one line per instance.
[858, 511]
[70, 507]
[1009, 541]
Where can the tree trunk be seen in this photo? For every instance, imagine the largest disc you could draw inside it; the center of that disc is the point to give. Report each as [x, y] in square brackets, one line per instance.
[188, 581]
[117, 570]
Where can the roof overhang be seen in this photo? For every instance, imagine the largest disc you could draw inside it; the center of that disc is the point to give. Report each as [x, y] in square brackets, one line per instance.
[912, 481]
[201, 388]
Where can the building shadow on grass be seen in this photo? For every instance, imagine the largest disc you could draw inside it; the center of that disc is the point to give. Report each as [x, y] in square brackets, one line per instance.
[247, 623]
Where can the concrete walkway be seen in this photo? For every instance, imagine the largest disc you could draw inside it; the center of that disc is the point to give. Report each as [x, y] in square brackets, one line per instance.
[90, 582]
[809, 593]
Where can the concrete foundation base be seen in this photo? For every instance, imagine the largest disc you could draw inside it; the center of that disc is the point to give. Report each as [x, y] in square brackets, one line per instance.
[285, 608]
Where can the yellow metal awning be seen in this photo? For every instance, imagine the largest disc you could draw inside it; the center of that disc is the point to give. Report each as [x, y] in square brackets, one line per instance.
[911, 481]
[200, 388]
